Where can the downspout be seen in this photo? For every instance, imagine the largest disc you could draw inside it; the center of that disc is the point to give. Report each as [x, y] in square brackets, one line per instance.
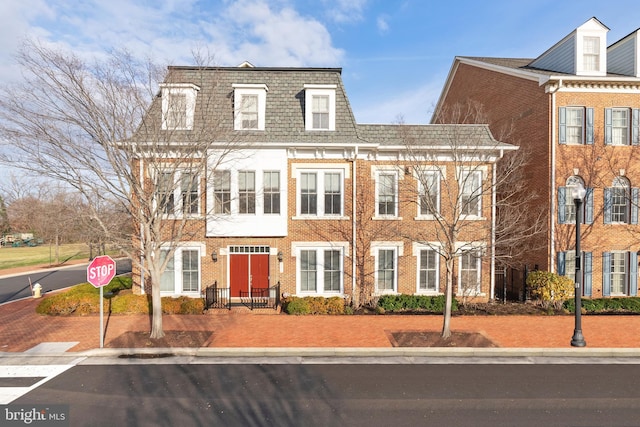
[353, 222]
[552, 198]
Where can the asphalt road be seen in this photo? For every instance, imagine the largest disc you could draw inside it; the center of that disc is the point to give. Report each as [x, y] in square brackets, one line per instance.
[344, 395]
[17, 287]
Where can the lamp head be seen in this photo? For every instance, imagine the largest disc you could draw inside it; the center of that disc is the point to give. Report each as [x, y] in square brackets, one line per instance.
[578, 191]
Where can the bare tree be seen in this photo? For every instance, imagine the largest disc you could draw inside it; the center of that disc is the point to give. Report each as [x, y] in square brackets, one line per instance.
[477, 209]
[98, 127]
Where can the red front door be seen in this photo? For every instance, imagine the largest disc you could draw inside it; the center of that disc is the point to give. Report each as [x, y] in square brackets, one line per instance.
[247, 271]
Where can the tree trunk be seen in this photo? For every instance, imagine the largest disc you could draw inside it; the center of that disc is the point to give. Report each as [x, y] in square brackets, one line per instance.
[446, 325]
[156, 315]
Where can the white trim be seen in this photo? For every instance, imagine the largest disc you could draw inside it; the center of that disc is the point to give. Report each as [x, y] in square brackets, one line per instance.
[417, 248]
[240, 90]
[319, 248]
[320, 90]
[190, 91]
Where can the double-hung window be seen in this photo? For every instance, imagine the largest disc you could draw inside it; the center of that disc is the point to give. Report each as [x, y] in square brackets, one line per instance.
[387, 194]
[178, 192]
[621, 202]
[591, 53]
[247, 192]
[182, 274]
[575, 125]
[386, 270]
[271, 192]
[567, 206]
[619, 273]
[622, 126]
[471, 193]
[320, 107]
[567, 267]
[320, 270]
[249, 106]
[428, 271]
[429, 183]
[469, 274]
[321, 193]
[222, 192]
[178, 105]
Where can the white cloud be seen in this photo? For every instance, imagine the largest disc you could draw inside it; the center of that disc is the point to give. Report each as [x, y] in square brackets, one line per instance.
[345, 10]
[382, 24]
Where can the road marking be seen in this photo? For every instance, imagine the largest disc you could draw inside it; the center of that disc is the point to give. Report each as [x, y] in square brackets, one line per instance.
[43, 372]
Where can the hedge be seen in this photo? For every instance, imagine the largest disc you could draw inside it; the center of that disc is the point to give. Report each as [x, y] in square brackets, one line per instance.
[426, 303]
[606, 305]
[314, 305]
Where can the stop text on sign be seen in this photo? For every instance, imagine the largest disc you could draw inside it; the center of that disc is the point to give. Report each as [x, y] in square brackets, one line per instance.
[101, 270]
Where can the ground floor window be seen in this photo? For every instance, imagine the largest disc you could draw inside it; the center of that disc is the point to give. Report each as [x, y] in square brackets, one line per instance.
[619, 273]
[428, 271]
[469, 273]
[386, 270]
[182, 274]
[320, 270]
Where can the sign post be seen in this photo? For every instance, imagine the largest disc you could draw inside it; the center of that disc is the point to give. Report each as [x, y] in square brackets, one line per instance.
[100, 271]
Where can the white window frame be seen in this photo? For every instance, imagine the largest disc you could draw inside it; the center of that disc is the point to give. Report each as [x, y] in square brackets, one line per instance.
[624, 274]
[319, 248]
[590, 56]
[377, 172]
[177, 271]
[421, 177]
[320, 192]
[417, 253]
[247, 193]
[464, 179]
[239, 91]
[398, 249]
[575, 126]
[226, 191]
[466, 290]
[620, 126]
[189, 91]
[312, 90]
[176, 192]
[270, 192]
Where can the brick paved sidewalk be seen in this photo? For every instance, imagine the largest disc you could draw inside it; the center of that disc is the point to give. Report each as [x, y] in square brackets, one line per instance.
[21, 328]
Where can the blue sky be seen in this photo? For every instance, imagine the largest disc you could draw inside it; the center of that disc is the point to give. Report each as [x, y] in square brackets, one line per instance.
[395, 55]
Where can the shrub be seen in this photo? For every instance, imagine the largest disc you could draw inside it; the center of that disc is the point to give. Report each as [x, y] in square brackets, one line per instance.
[130, 304]
[426, 303]
[549, 288]
[297, 306]
[606, 305]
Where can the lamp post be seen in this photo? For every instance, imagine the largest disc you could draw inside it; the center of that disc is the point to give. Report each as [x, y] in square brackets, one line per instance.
[578, 192]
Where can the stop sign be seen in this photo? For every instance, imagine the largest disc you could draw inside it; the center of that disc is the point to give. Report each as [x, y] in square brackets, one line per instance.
[101, 270]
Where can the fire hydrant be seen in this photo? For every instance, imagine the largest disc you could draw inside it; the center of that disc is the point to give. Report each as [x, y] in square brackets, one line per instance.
[37, 290]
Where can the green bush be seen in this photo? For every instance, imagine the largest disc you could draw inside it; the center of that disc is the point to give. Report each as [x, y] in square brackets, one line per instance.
[606, 305]
[313, 305]
[130, 304]
[403, 302]
[549, 288]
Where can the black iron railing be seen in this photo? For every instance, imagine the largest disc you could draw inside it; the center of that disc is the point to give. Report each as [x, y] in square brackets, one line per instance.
[261, 297]
[215, 297]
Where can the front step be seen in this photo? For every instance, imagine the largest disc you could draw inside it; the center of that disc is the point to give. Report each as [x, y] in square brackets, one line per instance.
[243, 309]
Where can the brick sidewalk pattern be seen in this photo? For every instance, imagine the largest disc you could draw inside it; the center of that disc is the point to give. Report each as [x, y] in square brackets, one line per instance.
[22, 328]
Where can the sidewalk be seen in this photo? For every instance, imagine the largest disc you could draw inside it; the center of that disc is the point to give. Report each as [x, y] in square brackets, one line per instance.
[21, 328]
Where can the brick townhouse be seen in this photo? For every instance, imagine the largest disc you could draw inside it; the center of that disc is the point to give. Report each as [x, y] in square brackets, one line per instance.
[312, 201]
[576, 110]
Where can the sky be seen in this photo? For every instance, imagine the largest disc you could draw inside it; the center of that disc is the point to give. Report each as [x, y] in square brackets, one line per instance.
[394, 55]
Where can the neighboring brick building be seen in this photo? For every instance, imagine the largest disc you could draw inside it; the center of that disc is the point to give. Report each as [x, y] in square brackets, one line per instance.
[576, 109]
[307, 196]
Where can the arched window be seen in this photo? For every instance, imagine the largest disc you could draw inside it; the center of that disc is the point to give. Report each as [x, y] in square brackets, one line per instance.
[621, 202]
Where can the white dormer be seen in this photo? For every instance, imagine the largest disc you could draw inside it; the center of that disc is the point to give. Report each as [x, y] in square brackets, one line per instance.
[250, 105]
[582, 52]
[320, 107]
[178, 105]
[623, 57]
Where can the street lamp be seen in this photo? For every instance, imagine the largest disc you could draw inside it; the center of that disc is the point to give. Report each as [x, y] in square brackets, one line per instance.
[578, 192]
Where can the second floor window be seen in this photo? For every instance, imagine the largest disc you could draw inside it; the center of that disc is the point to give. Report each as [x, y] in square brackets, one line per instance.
[165, 190]
[246, 192]
[222, 192]
[271, 192]
[387, 194]
[621, 202]
[575, 125]
[471, 193]
[429, 193]
[567, 206]
[178, 192]
[320, 193]
[189, 192]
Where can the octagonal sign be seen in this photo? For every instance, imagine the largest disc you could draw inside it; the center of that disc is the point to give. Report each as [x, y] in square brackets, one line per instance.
[101, 270]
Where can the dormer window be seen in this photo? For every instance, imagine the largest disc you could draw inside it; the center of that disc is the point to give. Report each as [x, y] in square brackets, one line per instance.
[178, 105]
[591, 54]
[250, 101]
[320, 107]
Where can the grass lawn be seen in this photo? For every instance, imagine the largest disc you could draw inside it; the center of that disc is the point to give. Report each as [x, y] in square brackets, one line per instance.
[11, 257]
